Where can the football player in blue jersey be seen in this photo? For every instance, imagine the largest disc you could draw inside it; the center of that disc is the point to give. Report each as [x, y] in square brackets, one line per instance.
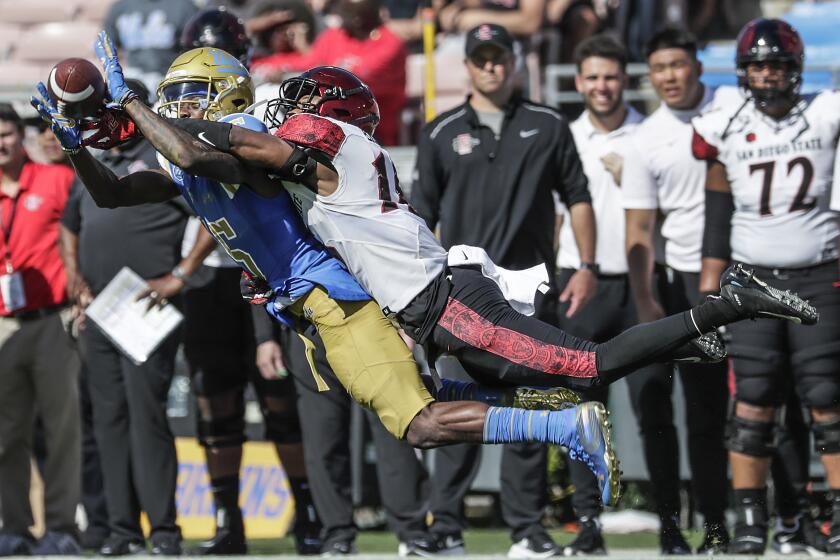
[258, 226]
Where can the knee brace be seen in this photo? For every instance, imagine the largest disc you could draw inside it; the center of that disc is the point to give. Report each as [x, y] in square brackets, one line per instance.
[282, 424]
[223, 431]
[815, 372]
[756, 439]
[757, 379]
[209, 383]
[826, 437]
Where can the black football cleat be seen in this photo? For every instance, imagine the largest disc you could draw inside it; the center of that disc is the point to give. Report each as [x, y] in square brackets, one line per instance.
[706, 349]
[671, 540]
[754, 298]
[589, 540]
[803, 538]
[229, 539]
[715, 540]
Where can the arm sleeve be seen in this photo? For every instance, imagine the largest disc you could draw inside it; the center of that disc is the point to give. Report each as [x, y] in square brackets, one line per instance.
[71, 218]
[573, 185]
[638, 184]
[718, 225]
[215, 134]
[428, 184]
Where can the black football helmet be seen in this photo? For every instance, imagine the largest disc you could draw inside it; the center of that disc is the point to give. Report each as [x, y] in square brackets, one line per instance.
[765, 40]
[220, 29]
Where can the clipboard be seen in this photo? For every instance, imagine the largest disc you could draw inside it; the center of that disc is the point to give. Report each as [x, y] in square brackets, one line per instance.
[133, 328]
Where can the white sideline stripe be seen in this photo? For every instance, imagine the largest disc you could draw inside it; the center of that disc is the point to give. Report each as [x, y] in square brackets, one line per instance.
[65, 96]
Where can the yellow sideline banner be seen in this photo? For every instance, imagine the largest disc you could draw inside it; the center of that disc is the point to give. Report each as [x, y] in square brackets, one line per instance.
[265, 496]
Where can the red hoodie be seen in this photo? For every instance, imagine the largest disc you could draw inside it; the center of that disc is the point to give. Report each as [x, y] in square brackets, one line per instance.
[379, 61]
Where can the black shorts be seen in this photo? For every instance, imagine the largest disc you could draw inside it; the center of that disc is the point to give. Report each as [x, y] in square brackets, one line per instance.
[219, 335]
[768, 355]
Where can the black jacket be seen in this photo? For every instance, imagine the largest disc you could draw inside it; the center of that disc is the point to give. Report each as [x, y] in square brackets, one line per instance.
[497, 194]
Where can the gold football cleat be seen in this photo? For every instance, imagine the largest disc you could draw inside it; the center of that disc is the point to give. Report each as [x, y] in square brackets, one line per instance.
[557, 398]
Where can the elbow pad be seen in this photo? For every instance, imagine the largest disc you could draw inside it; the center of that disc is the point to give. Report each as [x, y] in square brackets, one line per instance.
[299, 168]
[718, 225]
[216, 134]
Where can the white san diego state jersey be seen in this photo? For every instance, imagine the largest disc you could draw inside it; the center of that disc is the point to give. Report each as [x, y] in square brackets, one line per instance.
[781, 174]
[366, 221]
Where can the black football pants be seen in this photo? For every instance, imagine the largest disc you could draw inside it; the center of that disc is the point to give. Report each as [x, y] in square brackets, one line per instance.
[497, 345]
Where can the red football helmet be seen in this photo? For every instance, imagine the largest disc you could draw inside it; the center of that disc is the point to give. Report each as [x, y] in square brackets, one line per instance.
[770, 40]
[340, 95]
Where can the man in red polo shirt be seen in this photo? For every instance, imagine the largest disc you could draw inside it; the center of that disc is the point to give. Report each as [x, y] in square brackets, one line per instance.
[365, 46]
[38, 361]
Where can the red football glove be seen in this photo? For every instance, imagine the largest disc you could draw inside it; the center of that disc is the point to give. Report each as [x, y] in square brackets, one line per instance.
[112, 128]
[255, 291]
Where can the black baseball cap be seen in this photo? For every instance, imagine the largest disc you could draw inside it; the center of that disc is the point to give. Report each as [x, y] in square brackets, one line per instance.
[488, 34]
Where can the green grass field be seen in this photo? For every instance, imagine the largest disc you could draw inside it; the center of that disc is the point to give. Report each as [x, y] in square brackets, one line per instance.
[479, 541]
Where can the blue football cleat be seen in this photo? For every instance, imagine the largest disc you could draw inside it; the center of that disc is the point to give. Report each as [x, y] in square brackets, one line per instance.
[593, 446]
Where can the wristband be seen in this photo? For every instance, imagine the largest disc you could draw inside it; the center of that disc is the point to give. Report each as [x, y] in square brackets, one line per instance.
[591, 266]
[180, 274]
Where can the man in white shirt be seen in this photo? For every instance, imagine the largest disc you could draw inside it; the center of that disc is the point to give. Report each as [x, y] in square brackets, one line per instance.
[660, 176]
[601, 135]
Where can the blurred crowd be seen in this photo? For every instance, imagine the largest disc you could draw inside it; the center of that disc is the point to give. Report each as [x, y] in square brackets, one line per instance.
[373, 38]
[95, 422]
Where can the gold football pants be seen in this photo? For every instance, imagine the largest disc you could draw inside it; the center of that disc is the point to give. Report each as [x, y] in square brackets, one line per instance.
[368, 356]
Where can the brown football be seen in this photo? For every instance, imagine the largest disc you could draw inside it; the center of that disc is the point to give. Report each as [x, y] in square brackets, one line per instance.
[76, 87]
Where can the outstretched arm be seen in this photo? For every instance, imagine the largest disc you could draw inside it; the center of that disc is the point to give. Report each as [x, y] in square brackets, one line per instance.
[188, 153]
[110, 191]
[105, 187]
[262, 150]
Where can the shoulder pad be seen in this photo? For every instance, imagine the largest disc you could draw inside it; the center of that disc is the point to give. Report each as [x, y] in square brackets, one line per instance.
[701, 149]
[312, 131]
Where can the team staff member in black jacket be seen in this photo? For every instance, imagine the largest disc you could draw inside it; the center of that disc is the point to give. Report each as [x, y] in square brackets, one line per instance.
[486, 171]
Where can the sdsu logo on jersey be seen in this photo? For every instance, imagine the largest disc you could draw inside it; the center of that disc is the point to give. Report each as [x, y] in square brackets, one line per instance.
[781, 174]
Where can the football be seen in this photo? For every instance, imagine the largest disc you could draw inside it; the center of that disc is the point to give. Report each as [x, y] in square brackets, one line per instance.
[76, 87]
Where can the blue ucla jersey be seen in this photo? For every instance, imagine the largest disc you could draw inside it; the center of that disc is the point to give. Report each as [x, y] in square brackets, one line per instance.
[268, 239]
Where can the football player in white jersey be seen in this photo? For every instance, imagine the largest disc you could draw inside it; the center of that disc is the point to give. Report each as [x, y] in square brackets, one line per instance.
[770, 163]
[358, 212]
[350, 199]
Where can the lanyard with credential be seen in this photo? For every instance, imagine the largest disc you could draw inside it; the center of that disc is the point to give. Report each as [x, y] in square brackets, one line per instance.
[7, 233]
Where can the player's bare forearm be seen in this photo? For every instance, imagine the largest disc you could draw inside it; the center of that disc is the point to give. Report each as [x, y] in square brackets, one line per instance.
[258, 148]
[101, 182]
[110, 191]
[179, 147]
[583, 226]
[270, 152]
